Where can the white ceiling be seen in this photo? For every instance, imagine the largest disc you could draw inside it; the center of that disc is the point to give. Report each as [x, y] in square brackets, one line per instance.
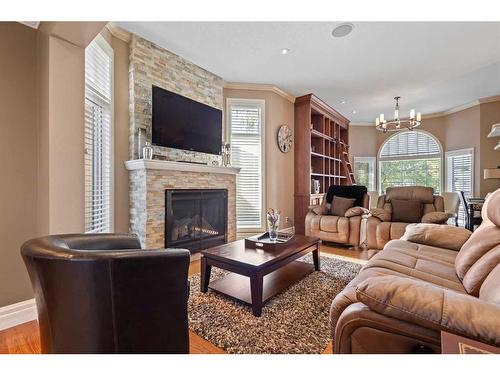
[433, 66]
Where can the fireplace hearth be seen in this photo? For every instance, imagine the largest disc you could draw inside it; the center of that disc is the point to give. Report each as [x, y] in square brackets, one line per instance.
[195, 219]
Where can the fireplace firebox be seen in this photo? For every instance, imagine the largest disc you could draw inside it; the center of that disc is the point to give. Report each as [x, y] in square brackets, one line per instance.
[195, 219]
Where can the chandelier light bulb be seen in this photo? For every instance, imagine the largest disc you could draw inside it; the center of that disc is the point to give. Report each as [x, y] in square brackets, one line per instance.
[396, 114]
[412, 114]
[381, 117]
[419, 116]
[377, 121]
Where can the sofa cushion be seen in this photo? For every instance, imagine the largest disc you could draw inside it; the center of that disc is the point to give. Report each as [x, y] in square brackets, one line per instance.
[481, 253]
[437, 235]
[490, 289]
[422, 193]
[328, 223]
[406, 211]
[427, 263]
[340, 205]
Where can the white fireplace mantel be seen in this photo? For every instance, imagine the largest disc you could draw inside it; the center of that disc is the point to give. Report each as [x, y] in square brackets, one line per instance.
[140, 164]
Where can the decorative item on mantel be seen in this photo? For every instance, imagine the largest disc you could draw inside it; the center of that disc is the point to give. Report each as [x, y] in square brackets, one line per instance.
[226, 154]
[147, 151]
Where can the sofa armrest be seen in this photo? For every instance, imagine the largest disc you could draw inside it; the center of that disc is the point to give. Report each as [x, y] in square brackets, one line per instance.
[356, 211]
[380, 214]
[430, 306]
[436, 217]
[319, 209]
[437, 235]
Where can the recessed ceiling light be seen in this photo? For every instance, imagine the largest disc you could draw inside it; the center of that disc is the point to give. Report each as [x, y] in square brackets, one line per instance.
[353, 111]
[342, 30]
[285, 51]
[343, 102]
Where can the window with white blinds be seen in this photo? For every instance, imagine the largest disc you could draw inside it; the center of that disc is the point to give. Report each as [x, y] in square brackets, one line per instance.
[245, 119]
[459, 174]
[410, 158]
[364, 171]
[98, 137]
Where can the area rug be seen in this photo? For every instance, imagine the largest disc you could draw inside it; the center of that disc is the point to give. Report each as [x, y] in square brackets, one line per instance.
[295, 321]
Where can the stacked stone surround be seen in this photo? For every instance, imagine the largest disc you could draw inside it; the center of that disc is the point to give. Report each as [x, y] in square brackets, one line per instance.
[147, 197]
[152, 65]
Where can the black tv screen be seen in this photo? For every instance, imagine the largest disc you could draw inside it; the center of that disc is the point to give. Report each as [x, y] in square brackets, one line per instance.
[185, 124]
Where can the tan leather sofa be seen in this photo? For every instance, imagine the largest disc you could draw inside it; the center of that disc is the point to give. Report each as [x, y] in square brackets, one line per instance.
[421, 285]
[380, 228]
[339, 229]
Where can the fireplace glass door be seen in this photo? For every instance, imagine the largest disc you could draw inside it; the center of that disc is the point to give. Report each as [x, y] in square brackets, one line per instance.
[195, 219]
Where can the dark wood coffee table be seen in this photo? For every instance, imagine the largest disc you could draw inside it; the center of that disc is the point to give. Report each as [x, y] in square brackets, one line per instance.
[258, 275]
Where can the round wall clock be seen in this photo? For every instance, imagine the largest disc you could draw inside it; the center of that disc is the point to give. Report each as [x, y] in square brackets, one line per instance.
[285, 138]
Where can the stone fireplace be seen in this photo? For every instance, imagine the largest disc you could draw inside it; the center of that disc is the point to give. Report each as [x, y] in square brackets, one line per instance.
[150, 181]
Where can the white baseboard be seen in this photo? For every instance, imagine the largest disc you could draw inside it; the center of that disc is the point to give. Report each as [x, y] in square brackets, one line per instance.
[18, 313]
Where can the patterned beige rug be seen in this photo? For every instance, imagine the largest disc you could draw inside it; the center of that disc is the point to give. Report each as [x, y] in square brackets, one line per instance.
[295, 321]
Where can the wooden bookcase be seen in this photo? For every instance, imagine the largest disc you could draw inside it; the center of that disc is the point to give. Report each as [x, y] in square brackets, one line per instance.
[321, 147]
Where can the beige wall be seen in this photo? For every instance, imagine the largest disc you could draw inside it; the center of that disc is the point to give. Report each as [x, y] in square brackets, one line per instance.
[489, 158]
[18, 123]
[61, 74]
[278, 166]
[464, 129]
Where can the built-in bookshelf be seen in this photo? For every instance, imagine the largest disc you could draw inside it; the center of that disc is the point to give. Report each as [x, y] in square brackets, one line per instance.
[321, 153]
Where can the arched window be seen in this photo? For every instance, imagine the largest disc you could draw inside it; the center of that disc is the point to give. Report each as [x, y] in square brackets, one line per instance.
[410, 158]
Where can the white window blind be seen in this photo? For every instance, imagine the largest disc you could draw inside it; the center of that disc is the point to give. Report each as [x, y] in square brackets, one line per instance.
[245, 123]
[98, 133]
[364, 172]
[459, 174]
[410, 158]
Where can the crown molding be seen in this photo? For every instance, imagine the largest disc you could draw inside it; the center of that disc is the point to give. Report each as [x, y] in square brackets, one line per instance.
[489, 99]
[118, 32]
[32, 24]
[259, 87]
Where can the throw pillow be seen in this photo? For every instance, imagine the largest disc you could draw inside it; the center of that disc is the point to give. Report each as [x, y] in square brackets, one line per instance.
[436, 217]
[341, 205]
[406, 210]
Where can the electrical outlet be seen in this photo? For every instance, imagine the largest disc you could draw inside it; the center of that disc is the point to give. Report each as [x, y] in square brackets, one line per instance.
[287, 219]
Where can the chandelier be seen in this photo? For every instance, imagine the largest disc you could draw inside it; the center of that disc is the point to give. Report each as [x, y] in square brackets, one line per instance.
[398, 124]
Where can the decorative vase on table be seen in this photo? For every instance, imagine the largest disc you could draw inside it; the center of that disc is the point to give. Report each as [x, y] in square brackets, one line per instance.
[273, 223]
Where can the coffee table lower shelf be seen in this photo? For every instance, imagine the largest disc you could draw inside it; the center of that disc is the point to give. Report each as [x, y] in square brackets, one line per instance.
[238, 286]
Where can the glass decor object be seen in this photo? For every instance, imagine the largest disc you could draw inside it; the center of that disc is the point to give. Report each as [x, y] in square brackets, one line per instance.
[147, 151]
[273, 223]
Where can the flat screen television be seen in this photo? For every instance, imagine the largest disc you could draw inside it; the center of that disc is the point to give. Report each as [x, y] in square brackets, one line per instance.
[185, 124]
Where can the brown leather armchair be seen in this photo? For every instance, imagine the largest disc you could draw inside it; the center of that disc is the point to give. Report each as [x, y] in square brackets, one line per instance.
[100, 293]
[339, 229]
[421, 285]
[383, 225]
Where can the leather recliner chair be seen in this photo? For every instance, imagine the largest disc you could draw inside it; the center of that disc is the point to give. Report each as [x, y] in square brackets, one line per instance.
[100, 293]
[380, 226]
[338, 229]
[438, 278]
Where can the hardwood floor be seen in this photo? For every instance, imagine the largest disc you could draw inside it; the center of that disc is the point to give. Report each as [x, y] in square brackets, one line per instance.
[24, 338]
